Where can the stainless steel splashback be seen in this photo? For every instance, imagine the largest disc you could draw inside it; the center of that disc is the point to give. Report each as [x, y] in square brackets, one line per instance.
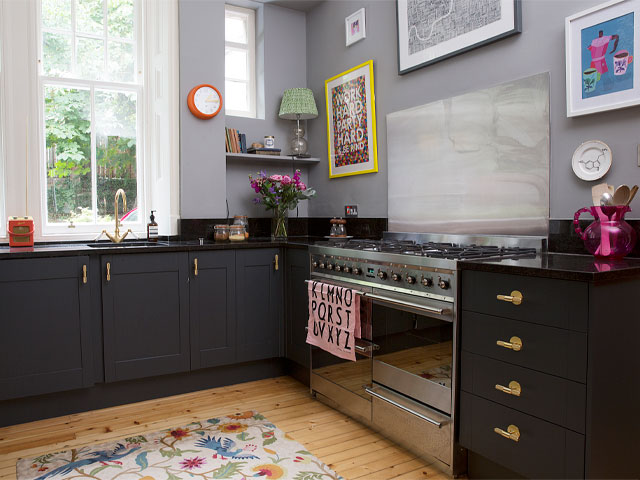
[478, 162]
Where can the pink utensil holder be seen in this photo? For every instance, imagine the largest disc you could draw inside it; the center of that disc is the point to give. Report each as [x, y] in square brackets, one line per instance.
[609, 236]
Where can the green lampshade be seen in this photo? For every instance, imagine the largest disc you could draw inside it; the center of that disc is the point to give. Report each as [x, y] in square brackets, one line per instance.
[298, 103]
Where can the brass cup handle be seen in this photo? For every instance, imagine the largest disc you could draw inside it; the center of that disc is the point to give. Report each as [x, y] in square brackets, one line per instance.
[512, 433]
[514, 343]
[108, 272]
[84, 274]
[514, 388]
[515, 297]
[195, 267]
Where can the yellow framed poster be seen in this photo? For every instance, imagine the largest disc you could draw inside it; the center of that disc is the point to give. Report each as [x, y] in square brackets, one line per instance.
[351, 122]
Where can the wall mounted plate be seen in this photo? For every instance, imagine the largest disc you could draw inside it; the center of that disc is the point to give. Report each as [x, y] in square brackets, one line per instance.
[592, 160]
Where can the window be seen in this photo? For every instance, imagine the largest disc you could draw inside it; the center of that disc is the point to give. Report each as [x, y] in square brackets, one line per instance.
[240, 63]
[91, 87]
[2, 186]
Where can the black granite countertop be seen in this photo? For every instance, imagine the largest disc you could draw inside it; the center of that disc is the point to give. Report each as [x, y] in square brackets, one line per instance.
[562, 266]
[70, 249]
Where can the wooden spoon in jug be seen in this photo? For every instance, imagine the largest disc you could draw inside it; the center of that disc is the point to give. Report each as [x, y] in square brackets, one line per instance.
[632, 194]
[621, 195]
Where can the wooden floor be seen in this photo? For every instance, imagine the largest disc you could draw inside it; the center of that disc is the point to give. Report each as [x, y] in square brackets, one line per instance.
[351, 449]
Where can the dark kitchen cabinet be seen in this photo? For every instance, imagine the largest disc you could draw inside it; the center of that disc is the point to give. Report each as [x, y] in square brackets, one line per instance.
[145, 311]
[45, 345]
[297, 314]
[259, 303]
[212, 309]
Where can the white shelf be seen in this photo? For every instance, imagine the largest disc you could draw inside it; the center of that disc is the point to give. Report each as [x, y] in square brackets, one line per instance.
[270, 158]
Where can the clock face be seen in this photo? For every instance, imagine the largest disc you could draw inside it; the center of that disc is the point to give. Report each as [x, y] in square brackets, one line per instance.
[205, 101]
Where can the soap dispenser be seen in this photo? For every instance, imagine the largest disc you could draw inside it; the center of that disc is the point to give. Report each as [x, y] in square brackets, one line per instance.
[152, 228]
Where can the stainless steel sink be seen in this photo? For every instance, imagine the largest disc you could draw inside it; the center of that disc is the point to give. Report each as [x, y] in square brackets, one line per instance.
[126, 244]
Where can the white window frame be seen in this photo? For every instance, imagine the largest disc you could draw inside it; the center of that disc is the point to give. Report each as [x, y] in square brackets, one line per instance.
[3, 186]
[250, 17]
[72, 81]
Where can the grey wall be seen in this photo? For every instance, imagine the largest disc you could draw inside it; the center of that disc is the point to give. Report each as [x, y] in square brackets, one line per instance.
[206, 178]
[540, 48]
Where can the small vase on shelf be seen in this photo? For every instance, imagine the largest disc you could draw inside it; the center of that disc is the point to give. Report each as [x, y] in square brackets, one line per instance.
[279, 223]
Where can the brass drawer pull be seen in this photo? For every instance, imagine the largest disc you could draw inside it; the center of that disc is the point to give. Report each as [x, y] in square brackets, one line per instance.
[515, 297]
[108, 272]
[84, 274]
[514, 388]
[514, 343]
[195, 267]
[512, 433]
[275, 261]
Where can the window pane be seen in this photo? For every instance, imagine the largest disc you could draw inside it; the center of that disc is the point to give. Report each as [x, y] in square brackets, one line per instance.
[116, 140]
[68, 154]
[90, 58]
[121, 64]
[235, 29]
[90, 16]
[56, 51]
[120, 18]
[236, 93]
[56, 14]
[235, 63]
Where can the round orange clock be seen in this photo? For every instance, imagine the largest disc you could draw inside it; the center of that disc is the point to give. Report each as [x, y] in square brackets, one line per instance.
[204, 101]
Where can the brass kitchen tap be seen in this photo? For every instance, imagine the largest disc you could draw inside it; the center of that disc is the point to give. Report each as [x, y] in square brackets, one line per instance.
[116, 238]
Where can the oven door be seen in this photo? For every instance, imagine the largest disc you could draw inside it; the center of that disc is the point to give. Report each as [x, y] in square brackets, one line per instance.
[415, 348]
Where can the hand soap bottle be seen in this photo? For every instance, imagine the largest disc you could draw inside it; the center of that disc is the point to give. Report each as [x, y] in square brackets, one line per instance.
[152, 228]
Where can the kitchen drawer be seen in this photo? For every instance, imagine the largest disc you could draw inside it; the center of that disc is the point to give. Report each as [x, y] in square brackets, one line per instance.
[550, 350]
[544, 450]
[557, 303]
[545, 396]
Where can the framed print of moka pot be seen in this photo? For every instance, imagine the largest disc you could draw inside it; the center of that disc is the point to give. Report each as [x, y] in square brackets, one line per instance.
[600, 45]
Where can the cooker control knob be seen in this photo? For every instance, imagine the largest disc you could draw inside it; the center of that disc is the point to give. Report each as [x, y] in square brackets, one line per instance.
[396, 277]
[356, 271]
[346, 269]
[330, 266]
[322, 265]
[443, 284]
[338, 268]
[411, 280]
[427, 282]
[382, 275]
[314, 264]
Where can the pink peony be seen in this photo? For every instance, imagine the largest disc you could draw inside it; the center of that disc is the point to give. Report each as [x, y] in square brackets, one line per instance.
[302, 186]
[286, 180]
[275, 178]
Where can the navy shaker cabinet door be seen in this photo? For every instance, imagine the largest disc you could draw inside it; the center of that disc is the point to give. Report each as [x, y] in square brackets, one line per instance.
[45, 345]
[212, 296]
[259, 303]
[145, 311]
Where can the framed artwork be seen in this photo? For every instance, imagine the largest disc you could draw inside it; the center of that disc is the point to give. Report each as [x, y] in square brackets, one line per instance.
[351, 122]
[600, 45]
[430, 31]
[354, 26]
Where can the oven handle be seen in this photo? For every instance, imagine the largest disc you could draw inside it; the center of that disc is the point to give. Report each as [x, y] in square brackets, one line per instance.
[360, 348]
[402, 407]
[402, 303]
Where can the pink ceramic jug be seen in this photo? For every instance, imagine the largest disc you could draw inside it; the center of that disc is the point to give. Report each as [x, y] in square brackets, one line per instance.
[609, 236]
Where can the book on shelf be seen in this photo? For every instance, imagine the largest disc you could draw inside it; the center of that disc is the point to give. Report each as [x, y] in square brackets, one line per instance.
[264, 151]
[234, 141]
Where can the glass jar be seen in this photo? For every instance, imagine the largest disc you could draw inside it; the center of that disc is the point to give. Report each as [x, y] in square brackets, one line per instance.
[221, 233]
[237, 233]
[244, 221]
[338, 227]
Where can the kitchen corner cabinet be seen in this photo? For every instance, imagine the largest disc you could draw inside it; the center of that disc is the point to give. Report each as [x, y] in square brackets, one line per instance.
[297, 314]
[45, 344]
[145, 312]
[259, 303]
[212, 309]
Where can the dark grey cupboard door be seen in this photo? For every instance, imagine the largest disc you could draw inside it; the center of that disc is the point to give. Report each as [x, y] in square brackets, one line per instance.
[212, 296]
[145, 311]
[297, 315]
[259, 302]
[45, 345]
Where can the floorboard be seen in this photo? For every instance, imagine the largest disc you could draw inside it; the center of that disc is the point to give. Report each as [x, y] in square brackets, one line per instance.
[350, 448]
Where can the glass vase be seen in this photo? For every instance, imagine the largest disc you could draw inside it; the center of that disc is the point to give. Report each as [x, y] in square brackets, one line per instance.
[279, 224]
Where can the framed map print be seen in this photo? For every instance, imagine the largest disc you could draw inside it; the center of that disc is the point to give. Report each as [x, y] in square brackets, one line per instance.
[351, 122]
[431, 30]
[600, 45]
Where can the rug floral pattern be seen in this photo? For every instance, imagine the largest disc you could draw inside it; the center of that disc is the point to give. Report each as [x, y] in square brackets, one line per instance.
[240, 446]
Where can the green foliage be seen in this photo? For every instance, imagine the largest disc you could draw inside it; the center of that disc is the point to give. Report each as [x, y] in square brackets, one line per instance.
[309, 476]
[228, 470]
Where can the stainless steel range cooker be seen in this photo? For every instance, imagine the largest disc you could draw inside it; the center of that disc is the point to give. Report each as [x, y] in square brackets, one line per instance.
[404, 380]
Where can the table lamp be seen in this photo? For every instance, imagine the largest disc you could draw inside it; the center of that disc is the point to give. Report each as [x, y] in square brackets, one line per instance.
[298, 104]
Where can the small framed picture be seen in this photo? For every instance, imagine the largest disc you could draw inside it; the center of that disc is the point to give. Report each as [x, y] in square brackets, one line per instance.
[354, 27]
[600, 45]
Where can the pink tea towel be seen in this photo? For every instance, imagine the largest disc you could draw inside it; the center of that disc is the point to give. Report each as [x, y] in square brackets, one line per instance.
[334, 319]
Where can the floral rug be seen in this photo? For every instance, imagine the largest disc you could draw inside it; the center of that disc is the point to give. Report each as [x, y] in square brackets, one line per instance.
[239, 446]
